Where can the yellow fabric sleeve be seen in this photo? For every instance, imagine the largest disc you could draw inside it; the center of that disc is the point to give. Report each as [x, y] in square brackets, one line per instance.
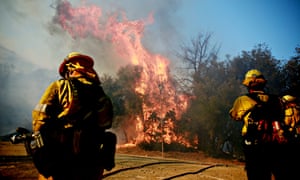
[240, 110]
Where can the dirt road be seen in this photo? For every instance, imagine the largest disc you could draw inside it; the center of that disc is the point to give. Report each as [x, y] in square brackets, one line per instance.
[138, 167]
[135, 164]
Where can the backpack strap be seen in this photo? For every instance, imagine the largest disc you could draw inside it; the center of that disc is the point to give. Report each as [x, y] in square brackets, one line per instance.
[255, 97]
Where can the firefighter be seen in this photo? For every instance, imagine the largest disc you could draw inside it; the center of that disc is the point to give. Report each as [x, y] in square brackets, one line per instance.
[70, 123]
[292, 131]
[263, 159]
[292, 117]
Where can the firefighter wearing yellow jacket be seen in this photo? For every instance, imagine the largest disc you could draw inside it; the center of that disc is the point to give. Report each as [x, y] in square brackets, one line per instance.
[292, 117]
[261, 145]
[71, 118]
[292, 131]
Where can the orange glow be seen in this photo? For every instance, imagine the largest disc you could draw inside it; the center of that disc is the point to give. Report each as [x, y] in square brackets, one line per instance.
[125, 37]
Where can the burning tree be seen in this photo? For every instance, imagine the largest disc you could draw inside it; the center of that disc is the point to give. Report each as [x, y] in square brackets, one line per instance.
[159, 104]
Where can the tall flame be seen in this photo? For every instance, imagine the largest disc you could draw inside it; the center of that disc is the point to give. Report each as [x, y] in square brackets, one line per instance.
[125, 36]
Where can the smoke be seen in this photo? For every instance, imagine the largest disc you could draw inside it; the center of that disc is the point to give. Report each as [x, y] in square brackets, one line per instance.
[32, 45]
[21, 87]
[159, 36]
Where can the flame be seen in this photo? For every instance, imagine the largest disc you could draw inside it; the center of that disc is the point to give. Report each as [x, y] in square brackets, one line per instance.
[125, 37]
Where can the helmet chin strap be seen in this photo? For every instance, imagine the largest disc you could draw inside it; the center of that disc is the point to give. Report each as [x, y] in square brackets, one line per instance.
[74, 73]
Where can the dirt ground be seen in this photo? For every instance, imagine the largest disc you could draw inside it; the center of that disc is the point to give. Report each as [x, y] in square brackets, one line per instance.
[133, 163]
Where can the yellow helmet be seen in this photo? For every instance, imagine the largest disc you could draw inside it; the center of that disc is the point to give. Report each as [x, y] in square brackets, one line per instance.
[254, 78]
[288, 98]
[78, 60]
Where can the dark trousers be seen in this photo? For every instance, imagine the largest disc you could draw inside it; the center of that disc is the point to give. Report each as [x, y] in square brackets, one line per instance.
[96, 152]
[293, 159]
[264, 160]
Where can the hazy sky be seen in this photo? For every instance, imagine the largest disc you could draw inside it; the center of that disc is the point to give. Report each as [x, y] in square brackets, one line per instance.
[236, 25]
